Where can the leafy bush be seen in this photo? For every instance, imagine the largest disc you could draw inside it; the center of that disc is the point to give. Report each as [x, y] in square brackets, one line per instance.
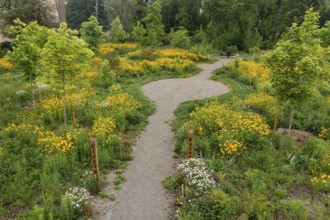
[179, 38]
[196, 175]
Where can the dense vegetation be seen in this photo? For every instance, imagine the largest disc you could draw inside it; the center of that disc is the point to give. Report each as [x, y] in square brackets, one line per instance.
[59, 90]
[56, 95]
[222, 23]
[245, 170]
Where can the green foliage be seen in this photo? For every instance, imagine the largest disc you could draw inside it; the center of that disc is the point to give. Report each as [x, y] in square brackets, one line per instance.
[91, 33]
[67, 209]
[29, 42]
[117, 32]
[63, 56]
[138, 33]
[172, 183]
[106, 77]
[38, 11]
[179, 38]
[154, 25]
[78, 11]
[231, 50]
[298, 63]
[293, 209]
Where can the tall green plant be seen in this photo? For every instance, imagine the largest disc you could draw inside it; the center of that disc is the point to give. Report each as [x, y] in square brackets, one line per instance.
[117, 32]
[28, 44]
[63, 56]
[91, 33]
[298, 63]
[154, 24]
[138, 33]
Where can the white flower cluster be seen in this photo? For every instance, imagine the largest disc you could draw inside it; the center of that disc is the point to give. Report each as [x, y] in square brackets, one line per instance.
[42, 86]
[21, 92]
[196, 174]
[180, 131]
[79, 197]
[104, 104]
[86, 176]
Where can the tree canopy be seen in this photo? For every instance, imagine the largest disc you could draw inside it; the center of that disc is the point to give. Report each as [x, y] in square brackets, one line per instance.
[27, 11]
[298, 63]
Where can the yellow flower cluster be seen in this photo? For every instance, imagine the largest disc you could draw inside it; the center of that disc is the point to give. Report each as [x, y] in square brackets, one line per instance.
[96, 60]
[183, 54]
[5, 64]
[1, 150]
[123, 102]
[323, 133]
[91, 74]
[23, 128]
[321, 182]
[109, 48]
[138, 68]
[255, 72]
[53, 104]
[231, 127]
[172, 64]
[53, 142]
[262, 100]
[103, 126]
[47, 139]
[231, 146]
[105, 49]
[133, 68]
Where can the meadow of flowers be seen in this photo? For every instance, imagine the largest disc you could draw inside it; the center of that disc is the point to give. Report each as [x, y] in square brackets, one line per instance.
[136, 61]
[41, 158]
[252, 171]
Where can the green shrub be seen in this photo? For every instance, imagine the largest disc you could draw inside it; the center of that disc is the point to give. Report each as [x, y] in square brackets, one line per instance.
[256, 206]
[231, 50]
[318, 147]
[292, 209]
[172, 183]
[179, 38]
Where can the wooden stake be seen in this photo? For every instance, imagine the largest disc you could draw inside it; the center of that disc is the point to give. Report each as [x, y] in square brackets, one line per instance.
[190, 143]
[275, 123]
[40, 96]
[95, 159]
[74, 121]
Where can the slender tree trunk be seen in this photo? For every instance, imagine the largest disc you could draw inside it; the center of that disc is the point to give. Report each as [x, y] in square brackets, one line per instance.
[97, 9]
[291, 118]
[32, 92]
[64, 101]
[61, 10]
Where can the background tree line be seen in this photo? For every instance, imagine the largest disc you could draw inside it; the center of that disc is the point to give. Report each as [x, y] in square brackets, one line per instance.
[243, 23]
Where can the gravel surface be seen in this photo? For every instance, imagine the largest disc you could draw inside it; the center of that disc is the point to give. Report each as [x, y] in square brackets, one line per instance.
[142, 197]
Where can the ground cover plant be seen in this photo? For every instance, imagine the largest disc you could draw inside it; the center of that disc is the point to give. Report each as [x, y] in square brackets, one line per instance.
[45, 160]
[258, 173]
[253, 171]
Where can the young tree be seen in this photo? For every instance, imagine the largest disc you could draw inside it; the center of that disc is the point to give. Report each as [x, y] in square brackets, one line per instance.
[154, 25]
[91, 33]
[179, 38]
[117, 32]
[138, 33]
[28, 44]
[298, 63]
[63, 56]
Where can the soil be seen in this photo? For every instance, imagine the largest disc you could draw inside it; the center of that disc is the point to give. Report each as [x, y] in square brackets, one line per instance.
[142, 197]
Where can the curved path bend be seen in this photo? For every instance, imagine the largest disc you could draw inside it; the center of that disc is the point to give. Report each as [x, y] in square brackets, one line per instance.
[142, 197]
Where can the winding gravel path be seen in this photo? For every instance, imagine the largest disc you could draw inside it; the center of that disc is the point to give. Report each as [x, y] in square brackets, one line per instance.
[142, 196]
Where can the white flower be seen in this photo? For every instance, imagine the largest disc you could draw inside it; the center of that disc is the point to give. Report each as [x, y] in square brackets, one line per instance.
[79, 197]
[20, 92]
[43, 86]
[196, 174]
